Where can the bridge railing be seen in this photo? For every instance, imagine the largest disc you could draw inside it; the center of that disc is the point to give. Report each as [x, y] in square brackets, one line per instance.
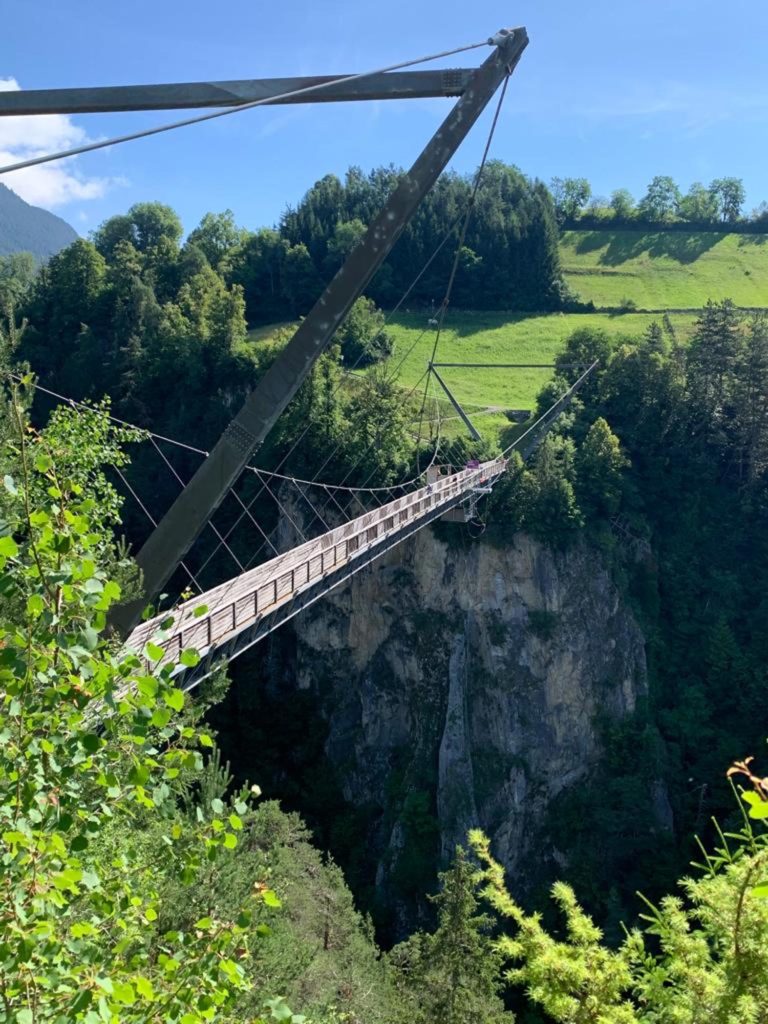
[211, 618]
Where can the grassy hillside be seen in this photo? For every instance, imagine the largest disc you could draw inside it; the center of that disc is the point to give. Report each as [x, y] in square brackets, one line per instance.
[495, 338]
[666, 269]
[655, 270]
[503, 338]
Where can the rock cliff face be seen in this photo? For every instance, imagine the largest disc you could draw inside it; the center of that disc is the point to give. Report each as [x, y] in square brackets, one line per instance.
[461, 684]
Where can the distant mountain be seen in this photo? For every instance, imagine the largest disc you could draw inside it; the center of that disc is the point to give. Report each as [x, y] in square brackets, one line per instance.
[25, 228]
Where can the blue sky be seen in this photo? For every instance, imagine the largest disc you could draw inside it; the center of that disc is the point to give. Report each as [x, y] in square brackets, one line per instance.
[614, 90]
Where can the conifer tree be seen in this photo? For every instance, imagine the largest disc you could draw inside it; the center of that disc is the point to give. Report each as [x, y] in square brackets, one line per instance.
[453, 975]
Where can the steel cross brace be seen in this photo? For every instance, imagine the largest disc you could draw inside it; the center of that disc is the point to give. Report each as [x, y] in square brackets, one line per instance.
[184, 521]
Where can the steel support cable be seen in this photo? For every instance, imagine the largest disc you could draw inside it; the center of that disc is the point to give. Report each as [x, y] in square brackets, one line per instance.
[212, 525]
[115, 419]
[250, 105]
[463, 233]
[311, 505]
[330, 495]
[576, 384]
[252, 518]
[83, 406]
[150, 517]
[246, 509]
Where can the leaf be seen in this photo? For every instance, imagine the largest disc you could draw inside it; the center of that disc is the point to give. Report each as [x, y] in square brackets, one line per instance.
[161, 717]
[35, 605]
[124, 993]
[758, 808]
[270, 899]
[138, 775]
[760, 891]
[90, 638]
[82, 928]
[174, 699]
[148, 686]
[235, 822]
[189, 658]
[279, 1009]
[200, 610]
[144, 988]
[154, 652]
[9, 485]
[8, 547]
[230, 841]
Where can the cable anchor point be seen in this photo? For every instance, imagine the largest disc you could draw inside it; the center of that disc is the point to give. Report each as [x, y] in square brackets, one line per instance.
[502, 36]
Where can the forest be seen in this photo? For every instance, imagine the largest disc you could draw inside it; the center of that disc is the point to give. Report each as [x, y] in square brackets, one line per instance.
[143, 878]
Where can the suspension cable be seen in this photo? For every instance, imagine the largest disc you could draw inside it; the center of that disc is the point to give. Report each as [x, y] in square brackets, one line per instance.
[150, 517]
[464, 227]
[211, 523]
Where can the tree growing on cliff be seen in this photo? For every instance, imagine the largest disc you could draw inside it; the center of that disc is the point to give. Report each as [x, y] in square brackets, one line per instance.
[453, 974]
[599, 466]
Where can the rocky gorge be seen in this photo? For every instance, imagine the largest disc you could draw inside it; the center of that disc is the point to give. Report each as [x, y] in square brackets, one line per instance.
[457, 684]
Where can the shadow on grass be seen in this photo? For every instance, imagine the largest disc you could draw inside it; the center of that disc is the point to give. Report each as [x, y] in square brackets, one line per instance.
[464, 324]
[620, 246]
[747, 240]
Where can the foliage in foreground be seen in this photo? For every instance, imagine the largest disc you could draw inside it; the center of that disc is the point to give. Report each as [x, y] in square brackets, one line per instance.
[700, 957]
[135, 886]
[93, 742]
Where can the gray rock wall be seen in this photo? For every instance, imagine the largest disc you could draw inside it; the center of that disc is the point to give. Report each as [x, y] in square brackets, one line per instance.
[461, 685]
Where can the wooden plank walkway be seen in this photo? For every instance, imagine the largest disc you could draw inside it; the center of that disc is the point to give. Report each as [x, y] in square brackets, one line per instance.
[234, 615]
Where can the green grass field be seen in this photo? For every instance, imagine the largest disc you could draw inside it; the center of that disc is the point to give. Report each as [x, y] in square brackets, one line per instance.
[501, 338]
[491, 338]
[666, 269]
[656, 270]
[495, 338]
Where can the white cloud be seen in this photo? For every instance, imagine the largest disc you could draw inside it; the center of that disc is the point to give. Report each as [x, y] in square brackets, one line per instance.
[47, 185]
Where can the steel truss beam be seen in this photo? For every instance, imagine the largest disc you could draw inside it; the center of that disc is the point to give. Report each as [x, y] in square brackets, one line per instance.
[394, 85]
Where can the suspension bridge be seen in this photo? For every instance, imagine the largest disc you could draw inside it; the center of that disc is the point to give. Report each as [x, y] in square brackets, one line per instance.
[222, 621]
